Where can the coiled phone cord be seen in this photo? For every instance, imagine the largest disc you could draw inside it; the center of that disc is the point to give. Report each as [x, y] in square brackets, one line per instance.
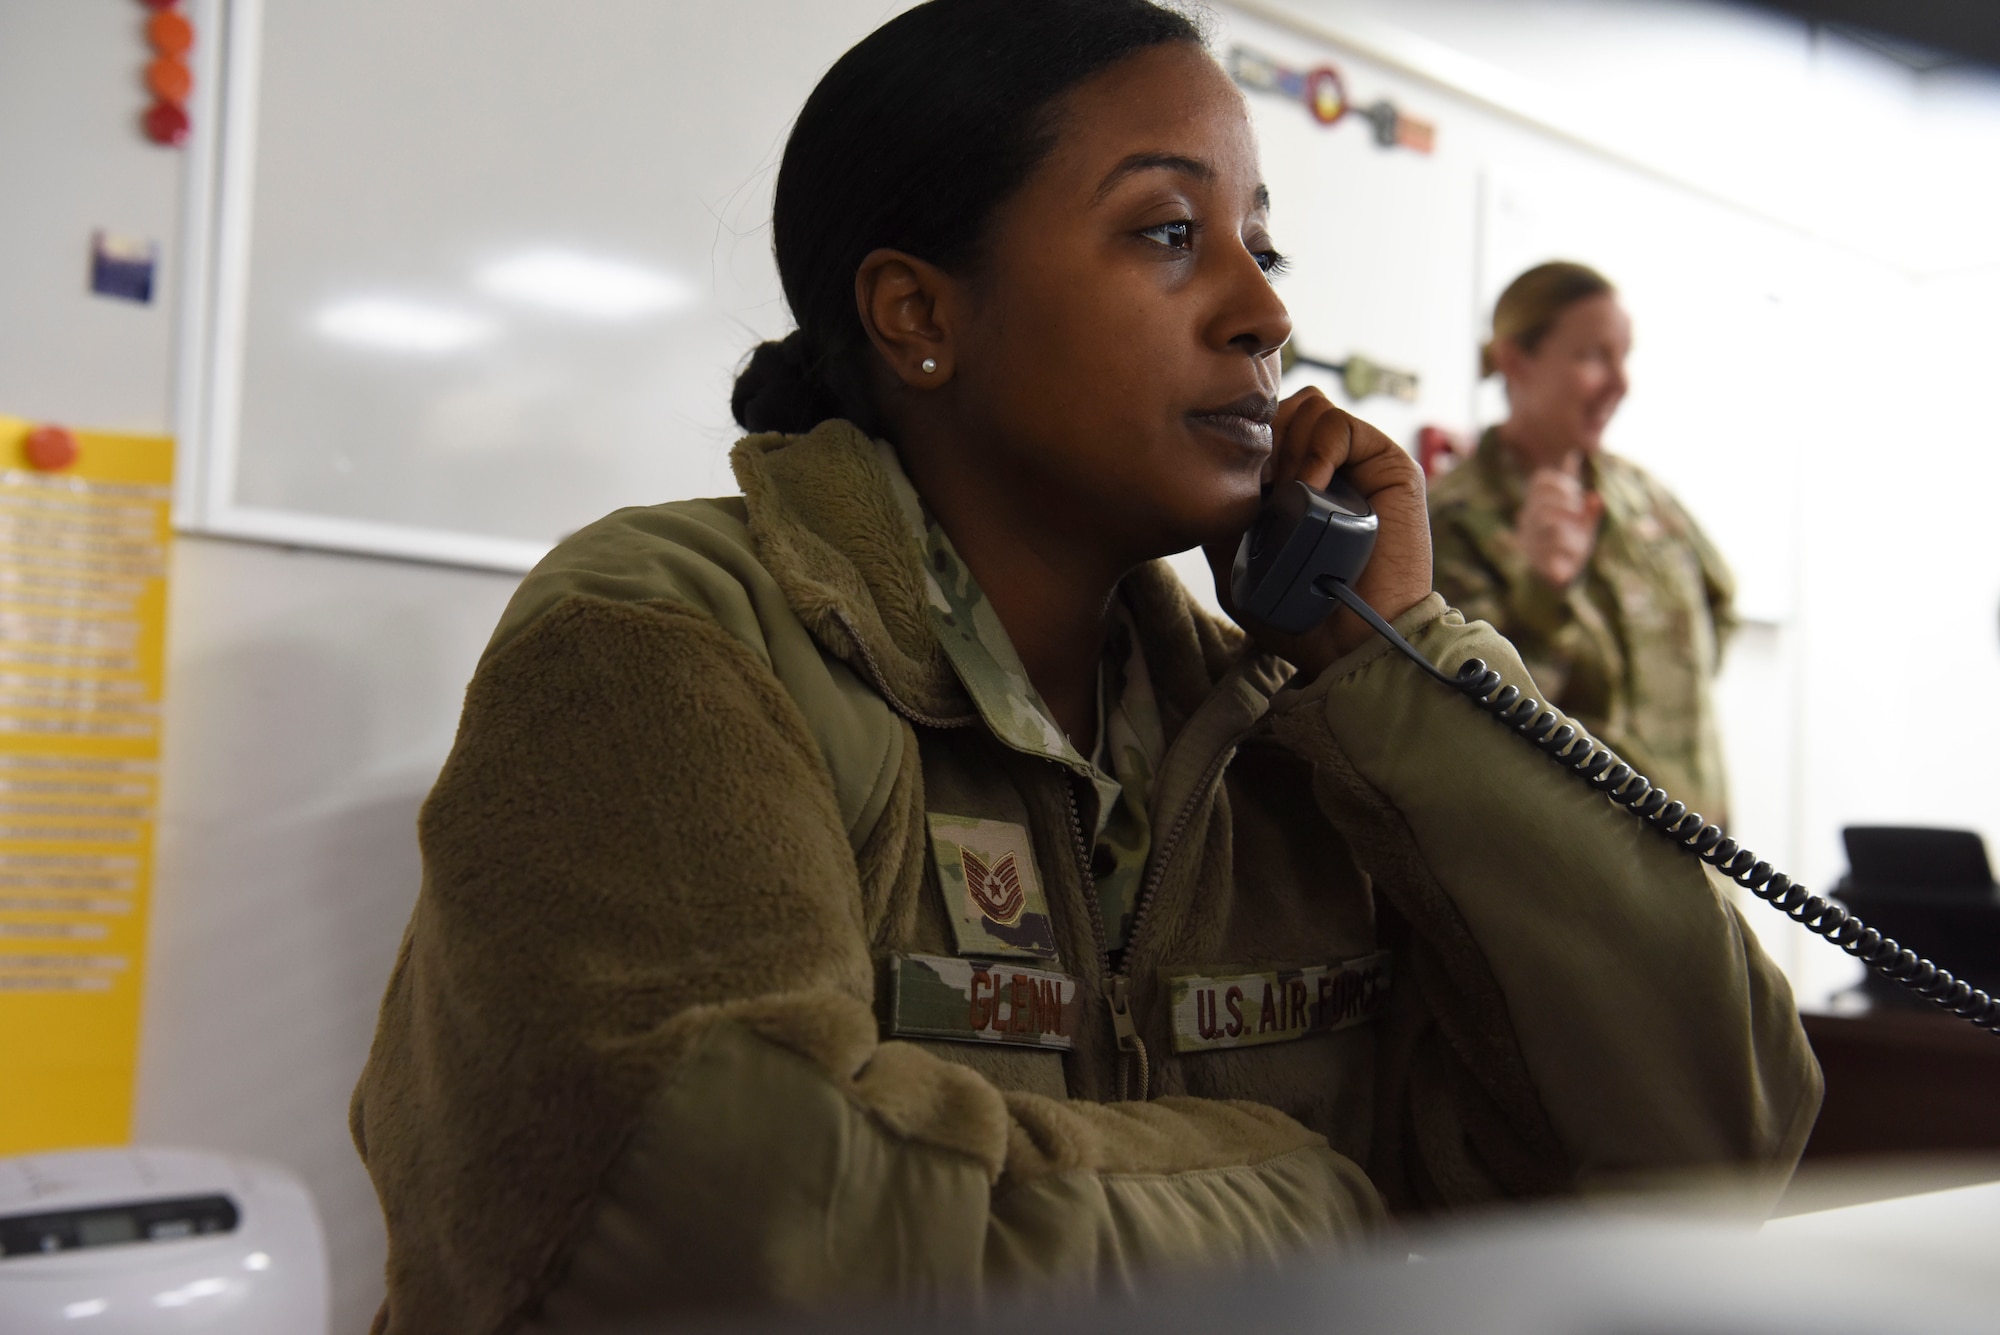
[1601, 768]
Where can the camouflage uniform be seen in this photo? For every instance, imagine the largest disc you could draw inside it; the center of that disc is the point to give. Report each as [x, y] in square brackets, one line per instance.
[1130, 738]
[1631, 647]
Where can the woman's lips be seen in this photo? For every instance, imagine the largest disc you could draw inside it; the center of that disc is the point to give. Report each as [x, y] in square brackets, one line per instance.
[1245, 421]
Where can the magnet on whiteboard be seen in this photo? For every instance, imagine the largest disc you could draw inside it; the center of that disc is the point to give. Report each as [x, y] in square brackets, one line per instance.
[1326, 95]
[50, 449]
[170, 32]
[166, 124]
[122, 266]
[169, 79]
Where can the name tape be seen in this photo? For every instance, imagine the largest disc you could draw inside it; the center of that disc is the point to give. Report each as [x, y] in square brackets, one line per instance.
[1244, 1010]
[974, 1001]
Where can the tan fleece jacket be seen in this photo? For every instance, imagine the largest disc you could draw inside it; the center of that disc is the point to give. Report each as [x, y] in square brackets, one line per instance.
[632, 1055]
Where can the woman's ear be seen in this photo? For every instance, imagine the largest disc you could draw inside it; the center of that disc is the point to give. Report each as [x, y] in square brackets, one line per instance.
[906, 306]
[1509, 359]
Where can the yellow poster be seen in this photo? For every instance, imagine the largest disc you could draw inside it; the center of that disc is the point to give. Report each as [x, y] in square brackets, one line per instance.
[84, 526]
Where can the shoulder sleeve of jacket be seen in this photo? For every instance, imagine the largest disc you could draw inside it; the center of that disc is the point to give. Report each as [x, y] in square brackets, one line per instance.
[1657, 1035]
[700, 555]
[628, 1060]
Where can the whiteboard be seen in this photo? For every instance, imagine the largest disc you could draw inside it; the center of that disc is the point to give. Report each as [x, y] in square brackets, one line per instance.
[483, 270]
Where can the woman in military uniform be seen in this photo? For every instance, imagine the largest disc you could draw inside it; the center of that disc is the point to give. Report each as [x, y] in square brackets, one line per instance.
[888, 882]
[1618, 603]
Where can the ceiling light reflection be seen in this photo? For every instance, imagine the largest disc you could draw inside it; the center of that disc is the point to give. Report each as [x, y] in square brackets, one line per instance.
[190, 1292]
[395, 325]
[576, 284]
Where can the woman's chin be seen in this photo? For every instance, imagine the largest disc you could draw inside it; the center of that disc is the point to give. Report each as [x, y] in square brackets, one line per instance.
[1224, 519]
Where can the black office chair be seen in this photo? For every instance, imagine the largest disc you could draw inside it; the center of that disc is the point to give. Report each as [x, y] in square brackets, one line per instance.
[1932, 890]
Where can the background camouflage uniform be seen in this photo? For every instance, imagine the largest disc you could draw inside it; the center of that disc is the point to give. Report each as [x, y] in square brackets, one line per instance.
[1632, 646]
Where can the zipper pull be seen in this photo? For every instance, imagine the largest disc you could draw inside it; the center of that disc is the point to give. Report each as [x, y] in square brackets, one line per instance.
[1120, 1001]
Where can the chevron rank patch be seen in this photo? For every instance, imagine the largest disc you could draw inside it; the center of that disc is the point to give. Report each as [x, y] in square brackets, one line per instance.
[980, 1001]
[1276, 1005]
[992, 889]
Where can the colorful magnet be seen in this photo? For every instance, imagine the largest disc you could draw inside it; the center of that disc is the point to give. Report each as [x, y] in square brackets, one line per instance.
[1363, 379]
[170, 32]
[169, 79]
[1396, 129]
[1360, 377]
[1255, 71]
[166, 124]
[1418, 136]
[50, 449]
[122, 266]
[1326, 96]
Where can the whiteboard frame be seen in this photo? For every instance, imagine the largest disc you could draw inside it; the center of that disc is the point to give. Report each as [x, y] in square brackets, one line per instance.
[216, 241]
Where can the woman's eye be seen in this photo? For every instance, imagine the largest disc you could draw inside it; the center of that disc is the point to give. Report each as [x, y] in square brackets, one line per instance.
[1176, 235]
[1272, 263]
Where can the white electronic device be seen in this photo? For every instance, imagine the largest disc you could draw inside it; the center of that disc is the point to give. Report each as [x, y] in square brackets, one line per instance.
[146, 1241]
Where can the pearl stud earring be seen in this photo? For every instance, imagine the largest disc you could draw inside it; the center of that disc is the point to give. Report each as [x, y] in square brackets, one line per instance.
[929, 366]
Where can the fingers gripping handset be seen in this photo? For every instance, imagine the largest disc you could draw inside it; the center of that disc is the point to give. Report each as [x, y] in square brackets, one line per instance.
[1300, 560]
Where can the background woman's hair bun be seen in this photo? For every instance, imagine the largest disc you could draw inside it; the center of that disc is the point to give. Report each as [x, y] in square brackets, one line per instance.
[779, 389]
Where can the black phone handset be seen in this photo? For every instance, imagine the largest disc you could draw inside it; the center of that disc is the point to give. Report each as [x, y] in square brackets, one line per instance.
[1298, 563]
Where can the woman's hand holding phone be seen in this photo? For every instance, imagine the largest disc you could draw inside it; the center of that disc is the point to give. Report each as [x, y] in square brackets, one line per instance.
[1311, 441]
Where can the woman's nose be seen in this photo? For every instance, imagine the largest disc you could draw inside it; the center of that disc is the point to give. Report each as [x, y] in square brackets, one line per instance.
[1255, 319]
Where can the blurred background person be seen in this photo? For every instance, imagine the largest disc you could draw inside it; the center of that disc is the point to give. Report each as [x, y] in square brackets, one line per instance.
[1617, 601]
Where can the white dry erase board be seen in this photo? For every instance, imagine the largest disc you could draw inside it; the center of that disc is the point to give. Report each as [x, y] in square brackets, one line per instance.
[478, 271]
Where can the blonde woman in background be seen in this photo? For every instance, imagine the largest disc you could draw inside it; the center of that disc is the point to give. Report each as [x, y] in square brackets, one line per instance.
[1617, 601]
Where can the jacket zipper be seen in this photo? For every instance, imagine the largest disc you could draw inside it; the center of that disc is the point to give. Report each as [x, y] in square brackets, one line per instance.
[882, 685]
[1118, 986]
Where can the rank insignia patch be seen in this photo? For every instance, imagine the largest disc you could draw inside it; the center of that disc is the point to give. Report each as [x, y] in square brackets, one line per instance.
[992, 890]
[1276, 1005]
[982, 1001]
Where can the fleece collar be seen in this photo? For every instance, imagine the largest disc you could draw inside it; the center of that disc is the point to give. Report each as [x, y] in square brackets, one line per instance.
[829, 526]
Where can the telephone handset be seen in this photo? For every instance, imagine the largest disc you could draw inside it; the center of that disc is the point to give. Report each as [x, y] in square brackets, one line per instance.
[1297, 563]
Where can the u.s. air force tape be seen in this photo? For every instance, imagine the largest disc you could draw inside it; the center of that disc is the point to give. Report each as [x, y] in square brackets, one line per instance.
[981, 1001]
[1214, 1012]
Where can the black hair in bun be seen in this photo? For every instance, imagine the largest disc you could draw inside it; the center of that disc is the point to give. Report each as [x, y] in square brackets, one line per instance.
[779, 389]
[911, 142]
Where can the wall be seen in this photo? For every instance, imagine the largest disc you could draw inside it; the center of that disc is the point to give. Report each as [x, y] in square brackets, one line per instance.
[311, 699]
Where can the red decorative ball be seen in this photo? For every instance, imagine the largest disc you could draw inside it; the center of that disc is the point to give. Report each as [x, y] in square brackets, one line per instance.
[166, 124]
[51, 448]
